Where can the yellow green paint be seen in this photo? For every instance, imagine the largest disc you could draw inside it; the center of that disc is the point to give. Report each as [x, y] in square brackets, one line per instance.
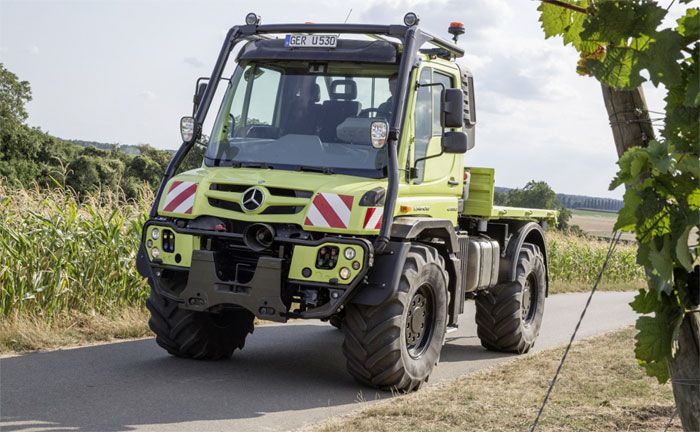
[305, 256]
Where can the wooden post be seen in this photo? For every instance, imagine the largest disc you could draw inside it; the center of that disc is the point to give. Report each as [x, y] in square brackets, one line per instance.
[629, 117]
[631, 126]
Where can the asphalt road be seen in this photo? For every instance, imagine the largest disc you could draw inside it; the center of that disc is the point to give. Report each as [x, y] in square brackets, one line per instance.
[287, 376]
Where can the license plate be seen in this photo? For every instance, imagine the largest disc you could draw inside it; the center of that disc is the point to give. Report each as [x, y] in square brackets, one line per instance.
[310, 41]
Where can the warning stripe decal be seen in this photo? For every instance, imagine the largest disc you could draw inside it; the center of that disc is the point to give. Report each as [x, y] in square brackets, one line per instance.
[373, 218]
[328, 210]
[180, 197]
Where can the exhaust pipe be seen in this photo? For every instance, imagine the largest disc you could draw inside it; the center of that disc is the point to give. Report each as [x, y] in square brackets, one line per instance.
[259, 237]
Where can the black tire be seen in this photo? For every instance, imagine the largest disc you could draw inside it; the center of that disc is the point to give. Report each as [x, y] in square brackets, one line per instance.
[383, 347]
[198, 335]
[504, 320]
[337, 320]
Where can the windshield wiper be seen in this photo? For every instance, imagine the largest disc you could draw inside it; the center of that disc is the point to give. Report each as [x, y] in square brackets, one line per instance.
[323, 170]
[239, 164]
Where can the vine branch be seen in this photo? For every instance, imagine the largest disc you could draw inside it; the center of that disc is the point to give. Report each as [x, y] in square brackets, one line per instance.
[566, 5]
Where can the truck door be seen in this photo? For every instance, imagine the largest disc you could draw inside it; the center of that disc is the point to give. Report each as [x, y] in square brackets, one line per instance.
[436, 180]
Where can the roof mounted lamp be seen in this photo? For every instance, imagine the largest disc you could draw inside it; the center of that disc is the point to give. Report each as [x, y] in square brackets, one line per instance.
[252, 19]
[456, 30]
[410, 19]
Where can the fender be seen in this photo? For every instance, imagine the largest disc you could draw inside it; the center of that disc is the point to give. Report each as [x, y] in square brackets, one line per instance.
[411, 228]
[383, 280]
[530, 232]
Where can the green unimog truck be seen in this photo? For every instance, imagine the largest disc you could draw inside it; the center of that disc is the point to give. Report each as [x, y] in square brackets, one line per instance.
[333, 187]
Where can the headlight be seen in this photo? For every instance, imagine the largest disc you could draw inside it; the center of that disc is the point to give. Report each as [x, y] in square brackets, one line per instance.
[155, 253]
[155, 234]
[349, 253]
[345, 273]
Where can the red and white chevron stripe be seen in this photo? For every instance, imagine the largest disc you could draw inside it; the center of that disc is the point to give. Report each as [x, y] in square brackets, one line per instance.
[329, 210]
[373, 218]
[180, 197]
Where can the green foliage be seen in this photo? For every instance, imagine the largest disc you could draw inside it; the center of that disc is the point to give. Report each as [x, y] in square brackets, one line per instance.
[29, 156]
[535, 194]
[618, 40]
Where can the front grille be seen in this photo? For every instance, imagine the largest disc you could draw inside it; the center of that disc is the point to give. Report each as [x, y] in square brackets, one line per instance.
[274, 191]
[226, 205]
[282, 210]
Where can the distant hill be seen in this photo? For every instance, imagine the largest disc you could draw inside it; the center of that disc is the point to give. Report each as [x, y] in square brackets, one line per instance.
[583, 201]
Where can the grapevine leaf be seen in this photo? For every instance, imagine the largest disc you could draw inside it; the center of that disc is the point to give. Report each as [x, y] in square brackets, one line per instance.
[661, 260]
[626, 218]
[683, 251]
[689, 24]
[554, 19]
[692, 95]
[659, 157]
[656, 369]
[559, 21]
[616, 21]
[619, 69]
[694, 199]
[645, 302]
[661, 58]
[639, 164]
[653, 344]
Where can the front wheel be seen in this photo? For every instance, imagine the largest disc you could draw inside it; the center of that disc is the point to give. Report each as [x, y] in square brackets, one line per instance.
[508, 318]
[198, 335]
[396, 344]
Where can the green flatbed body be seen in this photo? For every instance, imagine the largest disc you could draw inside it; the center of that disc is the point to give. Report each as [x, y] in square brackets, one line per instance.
[479, 203]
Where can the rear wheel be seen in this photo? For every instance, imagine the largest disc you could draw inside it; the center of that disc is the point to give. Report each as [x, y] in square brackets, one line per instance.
[508, 318]
[396, 344]
[198, 335]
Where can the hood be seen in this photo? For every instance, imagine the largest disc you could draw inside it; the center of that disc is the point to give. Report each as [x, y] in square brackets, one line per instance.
[315, 201]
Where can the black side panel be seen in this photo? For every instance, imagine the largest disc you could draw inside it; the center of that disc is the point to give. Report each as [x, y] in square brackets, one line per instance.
[384, 277]
[412, 228]
[456, 288]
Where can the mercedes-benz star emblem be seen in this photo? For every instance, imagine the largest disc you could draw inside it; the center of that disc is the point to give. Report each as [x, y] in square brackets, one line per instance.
[253, 198]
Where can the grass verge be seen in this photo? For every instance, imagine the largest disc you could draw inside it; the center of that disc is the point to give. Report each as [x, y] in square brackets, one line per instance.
[20, 333]
[601, 388]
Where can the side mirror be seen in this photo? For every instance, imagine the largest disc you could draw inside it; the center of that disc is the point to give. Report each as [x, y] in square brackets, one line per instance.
[455, 142]
[199, 94]
[452, 107]
[187, 129]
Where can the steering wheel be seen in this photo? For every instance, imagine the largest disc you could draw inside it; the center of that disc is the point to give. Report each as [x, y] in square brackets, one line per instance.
[367, 111]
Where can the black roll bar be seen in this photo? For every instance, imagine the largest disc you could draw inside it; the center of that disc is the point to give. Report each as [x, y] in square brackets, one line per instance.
[412, 38]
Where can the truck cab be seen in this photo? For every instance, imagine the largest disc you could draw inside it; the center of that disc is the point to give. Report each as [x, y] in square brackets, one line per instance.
[333, 187]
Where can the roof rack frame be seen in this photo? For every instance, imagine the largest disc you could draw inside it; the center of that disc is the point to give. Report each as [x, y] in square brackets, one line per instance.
[411, 38]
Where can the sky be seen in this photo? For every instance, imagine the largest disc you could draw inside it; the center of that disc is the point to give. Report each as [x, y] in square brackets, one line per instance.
[123, 71]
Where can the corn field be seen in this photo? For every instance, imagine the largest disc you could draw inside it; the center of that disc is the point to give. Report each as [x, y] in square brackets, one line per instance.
[578, 259]
[61, 254]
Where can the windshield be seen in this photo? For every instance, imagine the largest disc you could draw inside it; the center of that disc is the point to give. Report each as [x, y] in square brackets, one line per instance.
[303, 116]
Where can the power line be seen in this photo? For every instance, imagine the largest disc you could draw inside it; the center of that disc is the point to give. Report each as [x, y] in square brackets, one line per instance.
[613, 243]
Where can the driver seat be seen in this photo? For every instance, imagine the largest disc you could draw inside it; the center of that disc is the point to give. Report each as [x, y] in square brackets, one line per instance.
[341, 105]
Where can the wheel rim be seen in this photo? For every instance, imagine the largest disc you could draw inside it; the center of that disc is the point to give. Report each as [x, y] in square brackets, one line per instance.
[528, 304]
[420, 321]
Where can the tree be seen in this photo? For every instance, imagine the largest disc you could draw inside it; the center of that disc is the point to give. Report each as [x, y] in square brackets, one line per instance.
[617, 41]
[537, 194]
[14, 94]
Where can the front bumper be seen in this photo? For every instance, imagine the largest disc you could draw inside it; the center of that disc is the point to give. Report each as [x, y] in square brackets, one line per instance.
[262, 294]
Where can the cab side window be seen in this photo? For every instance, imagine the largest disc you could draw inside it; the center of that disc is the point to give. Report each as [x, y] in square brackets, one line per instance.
[423, 116]
[446, 81]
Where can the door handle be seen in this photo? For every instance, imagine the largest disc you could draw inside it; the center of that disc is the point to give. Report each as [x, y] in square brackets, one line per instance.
[453, 182]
